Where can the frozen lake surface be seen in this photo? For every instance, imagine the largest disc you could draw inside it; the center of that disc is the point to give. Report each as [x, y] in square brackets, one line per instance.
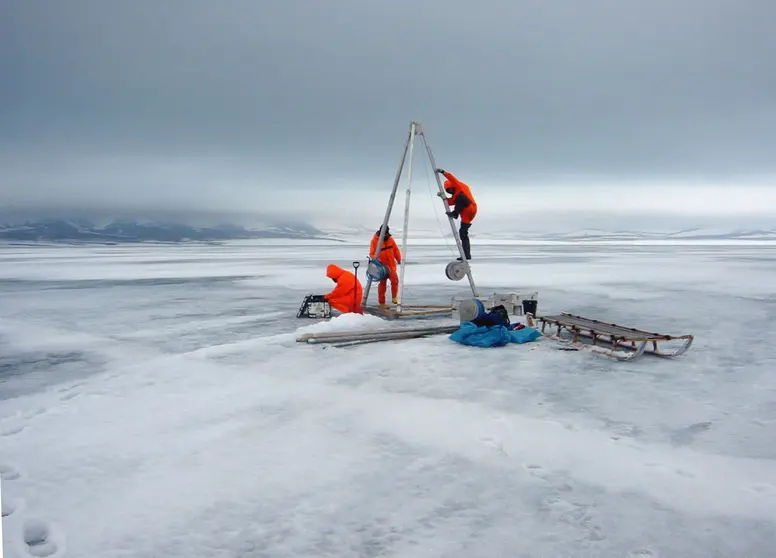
[154, 402]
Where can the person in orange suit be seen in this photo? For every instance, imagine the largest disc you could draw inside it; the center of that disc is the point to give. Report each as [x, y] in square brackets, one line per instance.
[390, 257]
[464, 207]
[346, 296]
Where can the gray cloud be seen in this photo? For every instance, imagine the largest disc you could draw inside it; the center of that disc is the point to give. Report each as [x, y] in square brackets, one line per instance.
[249, 95]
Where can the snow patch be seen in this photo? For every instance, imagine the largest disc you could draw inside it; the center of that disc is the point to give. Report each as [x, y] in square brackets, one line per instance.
[615, 354]
[345, 322]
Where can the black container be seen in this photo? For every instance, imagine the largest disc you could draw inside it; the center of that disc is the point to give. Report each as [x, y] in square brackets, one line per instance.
[529, 306]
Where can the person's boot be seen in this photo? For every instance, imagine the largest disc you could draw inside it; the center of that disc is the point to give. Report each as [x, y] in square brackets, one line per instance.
[395, 300]
[467, 249]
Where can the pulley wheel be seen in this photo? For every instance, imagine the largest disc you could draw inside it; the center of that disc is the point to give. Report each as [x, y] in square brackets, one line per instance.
[456, 270]
[376, 270]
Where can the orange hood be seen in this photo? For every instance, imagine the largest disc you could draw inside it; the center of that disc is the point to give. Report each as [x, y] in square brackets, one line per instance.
[334, 271]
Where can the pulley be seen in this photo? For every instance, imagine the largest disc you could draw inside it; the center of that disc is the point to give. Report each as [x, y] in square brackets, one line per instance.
[376, 270]
[456, 270]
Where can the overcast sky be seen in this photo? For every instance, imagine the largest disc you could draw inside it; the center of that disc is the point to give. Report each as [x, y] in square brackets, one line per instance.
[554, 105]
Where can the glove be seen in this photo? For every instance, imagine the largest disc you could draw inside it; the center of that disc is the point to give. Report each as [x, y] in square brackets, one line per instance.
[440, 171]
[441, 195]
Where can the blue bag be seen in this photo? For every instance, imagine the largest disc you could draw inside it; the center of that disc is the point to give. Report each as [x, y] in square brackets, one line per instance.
[492, 335]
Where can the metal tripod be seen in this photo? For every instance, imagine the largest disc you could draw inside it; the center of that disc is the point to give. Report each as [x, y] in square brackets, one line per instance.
[415, 130]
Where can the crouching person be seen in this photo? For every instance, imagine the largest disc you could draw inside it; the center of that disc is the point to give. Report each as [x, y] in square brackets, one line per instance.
[346, 296]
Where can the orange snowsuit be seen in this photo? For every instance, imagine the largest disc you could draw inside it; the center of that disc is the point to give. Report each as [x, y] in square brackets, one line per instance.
[465, 207]
[346, 296]
[461, 198]
[390, 256]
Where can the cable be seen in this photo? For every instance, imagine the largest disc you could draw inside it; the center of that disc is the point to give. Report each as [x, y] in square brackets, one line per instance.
[436, 213]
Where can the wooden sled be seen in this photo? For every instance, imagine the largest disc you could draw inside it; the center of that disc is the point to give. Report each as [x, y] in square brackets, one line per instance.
[626, 343]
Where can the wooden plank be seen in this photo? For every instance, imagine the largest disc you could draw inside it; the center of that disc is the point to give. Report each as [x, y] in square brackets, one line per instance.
[391, 312]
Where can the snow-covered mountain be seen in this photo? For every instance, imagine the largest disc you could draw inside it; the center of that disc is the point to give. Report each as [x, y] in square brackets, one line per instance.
[739, 234]
[583, 235]
[685, 234]
[131, 230]
[137, 231]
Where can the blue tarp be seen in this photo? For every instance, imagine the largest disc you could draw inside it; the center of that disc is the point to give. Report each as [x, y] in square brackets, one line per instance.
[492, 336]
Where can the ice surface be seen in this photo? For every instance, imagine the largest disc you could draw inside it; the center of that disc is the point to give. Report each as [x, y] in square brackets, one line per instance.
[154, 402]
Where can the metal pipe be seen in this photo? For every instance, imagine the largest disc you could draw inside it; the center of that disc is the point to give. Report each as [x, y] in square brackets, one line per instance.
[464, 261]
[387, 336]
[355, 274]
[388, 213]
[376, 333]
[381, 340]
[406, 217]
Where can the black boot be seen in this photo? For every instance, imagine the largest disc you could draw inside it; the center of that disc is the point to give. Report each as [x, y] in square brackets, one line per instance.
[464, 233]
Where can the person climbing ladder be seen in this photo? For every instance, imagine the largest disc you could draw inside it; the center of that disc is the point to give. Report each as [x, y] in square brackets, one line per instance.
[464, 207]
[390, 257]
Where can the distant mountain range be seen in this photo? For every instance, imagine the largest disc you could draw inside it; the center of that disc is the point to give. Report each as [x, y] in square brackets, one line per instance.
[585, 235]
[685, 234]
[134, 231]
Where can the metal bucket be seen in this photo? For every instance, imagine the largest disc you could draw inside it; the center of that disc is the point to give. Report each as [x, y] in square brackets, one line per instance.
[470, 310]
[529, 306]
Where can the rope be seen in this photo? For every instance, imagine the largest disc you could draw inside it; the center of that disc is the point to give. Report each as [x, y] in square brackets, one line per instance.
[436, 212]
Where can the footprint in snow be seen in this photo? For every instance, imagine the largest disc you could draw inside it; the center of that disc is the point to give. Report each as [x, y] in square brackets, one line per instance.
[8, 472]
[11, 430]
[32, 413]
[12, 507]
[40, 539]
[71, 387]
[686, 436]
